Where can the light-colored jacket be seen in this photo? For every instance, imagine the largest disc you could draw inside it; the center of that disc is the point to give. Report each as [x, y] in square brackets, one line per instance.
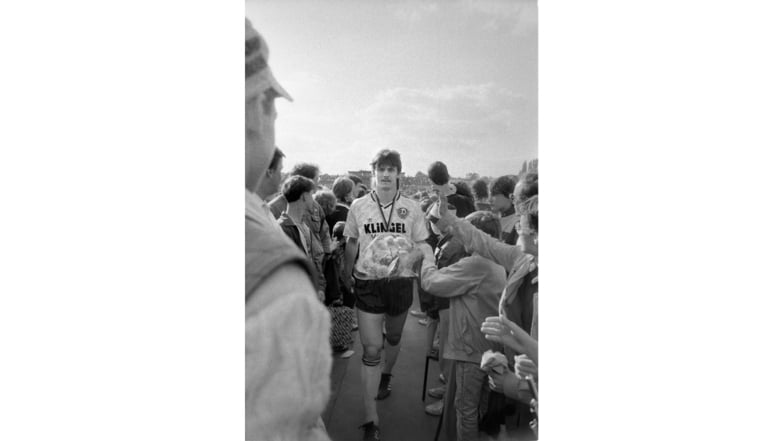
[473, 285]
[287, 353]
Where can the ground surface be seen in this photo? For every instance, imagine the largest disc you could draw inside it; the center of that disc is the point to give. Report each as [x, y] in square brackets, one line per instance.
[402, 414]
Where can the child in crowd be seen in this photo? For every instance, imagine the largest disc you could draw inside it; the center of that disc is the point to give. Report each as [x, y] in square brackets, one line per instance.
[473, 285]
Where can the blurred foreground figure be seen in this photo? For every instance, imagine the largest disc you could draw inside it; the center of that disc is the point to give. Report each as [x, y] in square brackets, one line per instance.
[287, 353]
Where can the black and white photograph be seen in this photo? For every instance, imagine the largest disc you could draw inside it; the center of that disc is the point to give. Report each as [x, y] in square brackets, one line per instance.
[391, 220]
[390, 250]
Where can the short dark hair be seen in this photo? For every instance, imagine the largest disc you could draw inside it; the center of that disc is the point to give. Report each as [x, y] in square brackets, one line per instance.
[480, 188]
[357, 180]
[295, 186]
[362, 190]
[463, 189]
[310, 171]
[276, 158]
[342, 187]
[487, 222]
[327, 200]
[503, 186]
[387, 157]
[337, 230]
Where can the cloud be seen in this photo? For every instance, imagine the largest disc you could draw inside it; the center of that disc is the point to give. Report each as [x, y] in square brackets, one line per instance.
[479, 128]
[413, 12]
[518, 17]
[456, 122]
[474, 111]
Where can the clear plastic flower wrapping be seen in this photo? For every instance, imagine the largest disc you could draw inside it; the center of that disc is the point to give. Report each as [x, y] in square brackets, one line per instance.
[390, 256]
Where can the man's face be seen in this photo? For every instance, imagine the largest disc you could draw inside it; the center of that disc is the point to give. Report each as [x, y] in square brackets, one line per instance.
[272, 180]
[385, 176]
[309, 198]
[260, 117]
[500, 203]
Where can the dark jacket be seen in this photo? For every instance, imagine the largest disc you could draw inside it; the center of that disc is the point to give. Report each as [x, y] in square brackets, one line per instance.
[291, 230]
[463, 204]
[340, 214]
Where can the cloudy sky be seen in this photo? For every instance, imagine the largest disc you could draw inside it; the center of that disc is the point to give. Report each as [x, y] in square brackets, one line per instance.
[445, 80]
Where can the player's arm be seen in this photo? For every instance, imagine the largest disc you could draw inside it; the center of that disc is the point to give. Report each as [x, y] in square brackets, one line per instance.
[351, 233]
[350, 258]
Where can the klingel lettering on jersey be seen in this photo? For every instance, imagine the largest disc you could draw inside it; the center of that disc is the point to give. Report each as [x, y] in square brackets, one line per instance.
[379, 227]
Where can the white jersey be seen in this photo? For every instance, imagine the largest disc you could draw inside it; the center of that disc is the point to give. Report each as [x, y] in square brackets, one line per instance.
[367, 218]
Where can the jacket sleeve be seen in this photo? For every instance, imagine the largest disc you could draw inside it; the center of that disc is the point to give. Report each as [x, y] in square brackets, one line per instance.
[481, 243]
[454, 280]
[517, 389]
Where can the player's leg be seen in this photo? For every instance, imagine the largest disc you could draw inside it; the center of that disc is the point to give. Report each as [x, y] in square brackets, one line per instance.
[397, 296]
[394, 325]
[370, 319]
[372, 340]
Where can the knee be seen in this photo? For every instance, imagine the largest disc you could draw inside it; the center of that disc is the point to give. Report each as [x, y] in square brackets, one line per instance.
[371, 355]
[394, 338]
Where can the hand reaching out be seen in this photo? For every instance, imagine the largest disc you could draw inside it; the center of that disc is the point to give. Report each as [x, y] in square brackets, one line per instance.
[524, 366]
[504, 331]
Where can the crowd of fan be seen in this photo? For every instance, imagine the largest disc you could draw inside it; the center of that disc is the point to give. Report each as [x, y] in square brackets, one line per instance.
[477, 288]
[314, 217]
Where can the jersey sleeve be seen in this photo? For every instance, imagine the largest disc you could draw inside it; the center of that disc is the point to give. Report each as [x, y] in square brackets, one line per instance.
[352, 227]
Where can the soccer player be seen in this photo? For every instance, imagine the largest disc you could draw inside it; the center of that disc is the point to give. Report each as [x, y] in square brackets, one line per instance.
[382, 304]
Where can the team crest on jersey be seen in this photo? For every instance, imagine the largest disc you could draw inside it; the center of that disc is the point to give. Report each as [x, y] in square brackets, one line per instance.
[402, 212]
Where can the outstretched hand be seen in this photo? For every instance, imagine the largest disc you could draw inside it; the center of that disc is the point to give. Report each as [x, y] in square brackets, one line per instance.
[504, 331]
[524, 366]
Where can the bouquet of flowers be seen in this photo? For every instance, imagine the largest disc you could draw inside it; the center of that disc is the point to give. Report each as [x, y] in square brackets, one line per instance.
[390, 256]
